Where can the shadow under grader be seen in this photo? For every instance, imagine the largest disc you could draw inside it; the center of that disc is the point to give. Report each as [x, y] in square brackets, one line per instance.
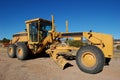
[42, 54]
[39, 55]
[67, 66]
[45, 55]
[68, 57]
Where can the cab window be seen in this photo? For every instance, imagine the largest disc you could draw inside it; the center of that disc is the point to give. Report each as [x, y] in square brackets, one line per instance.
[34, 32]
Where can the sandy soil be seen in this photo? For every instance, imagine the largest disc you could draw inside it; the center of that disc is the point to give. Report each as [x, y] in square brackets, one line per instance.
[46, 69]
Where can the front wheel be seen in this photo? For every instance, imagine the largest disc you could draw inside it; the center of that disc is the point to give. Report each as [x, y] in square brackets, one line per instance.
[90, 59]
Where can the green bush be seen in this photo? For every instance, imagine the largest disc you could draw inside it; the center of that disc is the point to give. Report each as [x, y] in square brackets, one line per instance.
[75, 43]
[118, 47]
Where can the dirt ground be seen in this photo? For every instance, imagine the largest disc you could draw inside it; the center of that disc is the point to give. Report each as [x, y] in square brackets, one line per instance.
[46, 69]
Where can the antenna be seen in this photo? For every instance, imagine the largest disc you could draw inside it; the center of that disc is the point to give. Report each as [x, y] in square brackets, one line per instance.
[67, 26]
[67, 31]
[53, 26]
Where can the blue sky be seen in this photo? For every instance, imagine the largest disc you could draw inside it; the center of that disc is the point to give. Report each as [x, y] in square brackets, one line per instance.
[83, 15]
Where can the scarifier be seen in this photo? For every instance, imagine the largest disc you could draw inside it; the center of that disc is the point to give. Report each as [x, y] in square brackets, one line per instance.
[40, 35]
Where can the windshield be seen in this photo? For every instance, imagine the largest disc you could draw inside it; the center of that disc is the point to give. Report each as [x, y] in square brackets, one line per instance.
[47, 28]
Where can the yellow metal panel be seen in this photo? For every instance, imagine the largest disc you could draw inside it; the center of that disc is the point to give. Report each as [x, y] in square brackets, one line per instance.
[20, 37]
[23, 39]
[103, 41]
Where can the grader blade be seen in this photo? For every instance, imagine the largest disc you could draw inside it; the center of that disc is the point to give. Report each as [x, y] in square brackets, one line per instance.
[59, 60]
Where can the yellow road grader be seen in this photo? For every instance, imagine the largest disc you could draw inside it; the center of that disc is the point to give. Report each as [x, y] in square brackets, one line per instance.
[40, 35]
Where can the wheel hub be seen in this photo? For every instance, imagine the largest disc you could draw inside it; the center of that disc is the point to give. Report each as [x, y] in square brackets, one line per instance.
[10, 50]
[88, 59]
[20, 52]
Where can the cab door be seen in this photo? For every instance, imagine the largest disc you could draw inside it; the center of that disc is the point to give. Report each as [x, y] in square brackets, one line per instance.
[33, 31]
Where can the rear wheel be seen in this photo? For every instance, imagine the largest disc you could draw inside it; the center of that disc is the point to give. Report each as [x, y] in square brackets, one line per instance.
[11, 51]
[90, 59]
[22, 52]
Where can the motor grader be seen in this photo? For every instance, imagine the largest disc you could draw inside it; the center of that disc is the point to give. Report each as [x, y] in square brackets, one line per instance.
[40, 35]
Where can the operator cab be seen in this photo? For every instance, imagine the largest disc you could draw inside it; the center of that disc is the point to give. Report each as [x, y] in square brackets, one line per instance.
[38, 29]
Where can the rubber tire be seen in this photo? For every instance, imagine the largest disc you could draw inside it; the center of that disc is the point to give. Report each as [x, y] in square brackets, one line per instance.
[24, 50]
[13, 53]
[100, 60]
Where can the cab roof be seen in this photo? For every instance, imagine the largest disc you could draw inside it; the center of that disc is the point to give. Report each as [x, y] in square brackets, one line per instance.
[38, 19]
